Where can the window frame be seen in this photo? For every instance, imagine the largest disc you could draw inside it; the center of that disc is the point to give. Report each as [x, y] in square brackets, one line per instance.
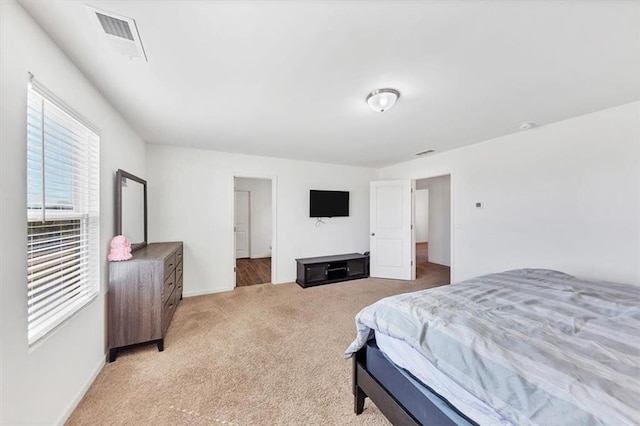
[74, 281]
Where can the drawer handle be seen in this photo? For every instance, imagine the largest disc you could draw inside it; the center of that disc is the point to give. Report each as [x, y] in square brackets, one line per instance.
[171, 283]
[171, 265]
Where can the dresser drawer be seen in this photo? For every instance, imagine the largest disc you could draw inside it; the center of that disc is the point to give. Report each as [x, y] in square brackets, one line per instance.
[178, 289]
[169, 265]
[168, 286]
[179, 271]
[179, 254]
[167, 311]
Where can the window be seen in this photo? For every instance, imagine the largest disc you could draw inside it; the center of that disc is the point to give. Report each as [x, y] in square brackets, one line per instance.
[63, 268]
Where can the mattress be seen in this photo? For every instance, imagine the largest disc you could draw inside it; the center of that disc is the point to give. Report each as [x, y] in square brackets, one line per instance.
[409, 359]
[425, 406]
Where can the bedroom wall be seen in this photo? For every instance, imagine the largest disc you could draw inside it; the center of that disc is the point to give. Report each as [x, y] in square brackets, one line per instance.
[260, 215]
[43, 383]
[191, 199]
[564, 196]
[421, 219]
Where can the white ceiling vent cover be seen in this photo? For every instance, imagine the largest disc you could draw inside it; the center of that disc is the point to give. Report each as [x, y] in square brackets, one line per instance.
[121, 32]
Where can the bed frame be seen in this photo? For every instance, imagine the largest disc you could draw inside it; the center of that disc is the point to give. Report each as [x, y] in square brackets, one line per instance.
[366, 385]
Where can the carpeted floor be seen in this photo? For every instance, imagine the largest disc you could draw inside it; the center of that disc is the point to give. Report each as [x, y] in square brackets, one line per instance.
[260, 355]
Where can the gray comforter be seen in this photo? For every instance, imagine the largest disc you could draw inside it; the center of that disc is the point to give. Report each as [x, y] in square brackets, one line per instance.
[540, 347]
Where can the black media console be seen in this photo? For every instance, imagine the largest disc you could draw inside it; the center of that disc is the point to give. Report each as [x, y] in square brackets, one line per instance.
[330, 269]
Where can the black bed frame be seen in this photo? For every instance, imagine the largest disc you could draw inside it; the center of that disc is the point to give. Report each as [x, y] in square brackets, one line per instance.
[366, 385]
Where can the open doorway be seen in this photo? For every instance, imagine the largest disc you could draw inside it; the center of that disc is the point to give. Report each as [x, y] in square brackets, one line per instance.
[432, 219]
[253, 230]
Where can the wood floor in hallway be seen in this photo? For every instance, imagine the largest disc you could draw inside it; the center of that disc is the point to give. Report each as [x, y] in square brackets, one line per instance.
[253, 271]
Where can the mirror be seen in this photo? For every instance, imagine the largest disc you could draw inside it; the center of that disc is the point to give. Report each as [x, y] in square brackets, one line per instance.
[131, 208]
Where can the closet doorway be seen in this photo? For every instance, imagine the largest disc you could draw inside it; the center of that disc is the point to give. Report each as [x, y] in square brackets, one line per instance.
[253, 230]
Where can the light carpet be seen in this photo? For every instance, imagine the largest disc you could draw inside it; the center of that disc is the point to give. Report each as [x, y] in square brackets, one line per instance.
[260, 355]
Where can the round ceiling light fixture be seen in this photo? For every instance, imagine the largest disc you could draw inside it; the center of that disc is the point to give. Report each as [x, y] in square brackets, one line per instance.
[381, 100]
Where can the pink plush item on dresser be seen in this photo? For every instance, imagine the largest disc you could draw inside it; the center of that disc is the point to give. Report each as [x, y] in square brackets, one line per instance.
[120, 249]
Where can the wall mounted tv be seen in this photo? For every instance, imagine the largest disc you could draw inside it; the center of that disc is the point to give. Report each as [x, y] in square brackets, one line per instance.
[328, 203]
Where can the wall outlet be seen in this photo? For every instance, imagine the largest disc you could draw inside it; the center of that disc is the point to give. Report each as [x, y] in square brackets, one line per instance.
[479, 204]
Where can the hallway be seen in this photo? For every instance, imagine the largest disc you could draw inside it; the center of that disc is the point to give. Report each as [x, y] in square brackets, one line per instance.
[423, 266]
[253, 271]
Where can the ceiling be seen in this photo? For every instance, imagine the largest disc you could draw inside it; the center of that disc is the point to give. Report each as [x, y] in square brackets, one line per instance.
[289, 79]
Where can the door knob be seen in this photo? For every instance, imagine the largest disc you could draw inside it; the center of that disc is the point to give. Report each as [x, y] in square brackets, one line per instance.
[373, 234]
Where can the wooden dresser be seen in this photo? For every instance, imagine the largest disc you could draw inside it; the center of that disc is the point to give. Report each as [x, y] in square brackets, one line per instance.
[143, 294]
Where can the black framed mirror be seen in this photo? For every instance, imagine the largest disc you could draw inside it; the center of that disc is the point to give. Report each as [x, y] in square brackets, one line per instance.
[131, 208]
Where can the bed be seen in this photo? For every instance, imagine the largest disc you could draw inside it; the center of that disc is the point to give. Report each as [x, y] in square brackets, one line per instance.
[522, 347]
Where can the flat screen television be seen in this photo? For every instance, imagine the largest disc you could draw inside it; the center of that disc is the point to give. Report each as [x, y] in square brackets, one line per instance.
[328, 203]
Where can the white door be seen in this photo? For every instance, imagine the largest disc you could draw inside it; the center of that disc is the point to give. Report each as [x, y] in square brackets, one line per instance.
[391, 233]
[241, 226]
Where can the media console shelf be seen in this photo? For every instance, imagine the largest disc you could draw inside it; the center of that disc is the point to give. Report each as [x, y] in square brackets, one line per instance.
[330, 269]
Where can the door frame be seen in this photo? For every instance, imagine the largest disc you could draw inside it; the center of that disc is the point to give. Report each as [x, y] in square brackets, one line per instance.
[274, 222]
[452, 214]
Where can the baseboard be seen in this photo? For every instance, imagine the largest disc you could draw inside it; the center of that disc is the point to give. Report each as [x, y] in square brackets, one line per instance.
[260, 256]
[65, 416]
[204, 292]
[440, 264]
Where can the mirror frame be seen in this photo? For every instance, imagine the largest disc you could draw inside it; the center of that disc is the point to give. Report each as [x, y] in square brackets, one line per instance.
[121, 174]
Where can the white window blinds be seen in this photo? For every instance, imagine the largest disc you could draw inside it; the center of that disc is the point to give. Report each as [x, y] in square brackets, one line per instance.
[63, 270]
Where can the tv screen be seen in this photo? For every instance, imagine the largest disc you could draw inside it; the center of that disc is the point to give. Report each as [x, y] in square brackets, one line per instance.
[328, 203]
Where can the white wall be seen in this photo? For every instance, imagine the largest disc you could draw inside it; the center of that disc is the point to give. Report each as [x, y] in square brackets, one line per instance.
[260, 215]
[191, 199]
[40, 385]
[421, 219]
[564, 196]
[439, 218]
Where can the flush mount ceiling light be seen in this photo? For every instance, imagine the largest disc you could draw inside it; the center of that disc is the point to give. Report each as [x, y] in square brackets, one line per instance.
[381, 100]
[526, 126]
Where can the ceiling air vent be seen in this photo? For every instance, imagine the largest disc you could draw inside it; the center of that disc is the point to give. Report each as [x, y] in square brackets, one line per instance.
[429, 151]
[121, 33]
[114, 26]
